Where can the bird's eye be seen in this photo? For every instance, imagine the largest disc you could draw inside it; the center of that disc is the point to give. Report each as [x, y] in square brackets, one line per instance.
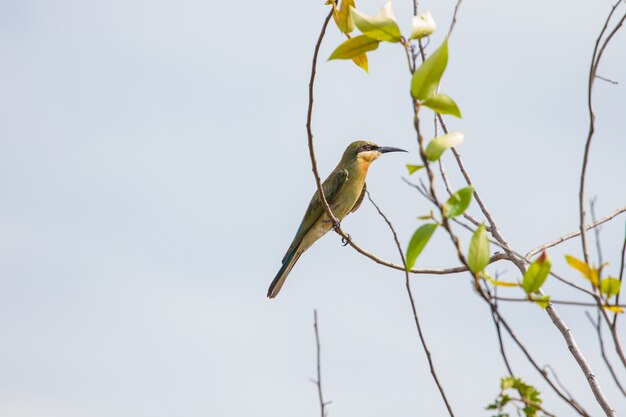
[368, 147]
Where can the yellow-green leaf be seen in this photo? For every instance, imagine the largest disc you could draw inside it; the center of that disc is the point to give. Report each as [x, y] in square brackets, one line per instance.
[458, 202]
[382, 27]
[417, 243]
[614, 309]
[505, 283]
[426, 78]
[440, 144]
[429, 216]
[342, 16]
[442, 104]
[542, 300]
[354, 47]
[413, 168]
[478, 253]
[588, 272]
[361, 61]
[536, 274]
[610, 286]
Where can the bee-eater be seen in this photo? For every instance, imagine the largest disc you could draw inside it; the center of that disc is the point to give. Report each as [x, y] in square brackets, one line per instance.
[344, 190]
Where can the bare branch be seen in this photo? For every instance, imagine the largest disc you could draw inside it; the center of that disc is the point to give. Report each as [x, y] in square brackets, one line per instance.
[596, 230]
[562, 302]
[621, 277]
[453, 23]
[415, 318]
[595, 62]
[597, 325]
[582, 362]
[607, 80]
[571, 235]
[318, 382]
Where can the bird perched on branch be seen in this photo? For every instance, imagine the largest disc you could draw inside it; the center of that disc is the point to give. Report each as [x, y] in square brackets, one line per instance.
[344, 190]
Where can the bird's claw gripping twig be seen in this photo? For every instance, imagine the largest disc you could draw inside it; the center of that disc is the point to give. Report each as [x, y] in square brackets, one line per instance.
[346, 240]
[336, 225]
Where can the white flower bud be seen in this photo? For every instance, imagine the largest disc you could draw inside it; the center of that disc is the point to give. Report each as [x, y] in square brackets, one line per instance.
[423, 25]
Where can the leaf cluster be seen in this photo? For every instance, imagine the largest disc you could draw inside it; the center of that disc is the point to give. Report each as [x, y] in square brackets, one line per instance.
[530, 399]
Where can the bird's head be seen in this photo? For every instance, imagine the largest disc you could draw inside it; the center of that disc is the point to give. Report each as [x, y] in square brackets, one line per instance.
[366, 152]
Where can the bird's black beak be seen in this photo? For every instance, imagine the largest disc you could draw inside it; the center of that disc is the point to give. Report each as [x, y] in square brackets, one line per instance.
[385, 149]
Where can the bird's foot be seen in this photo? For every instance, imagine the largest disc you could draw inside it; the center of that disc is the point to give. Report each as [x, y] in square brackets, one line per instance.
[336, 225]
[346, 240]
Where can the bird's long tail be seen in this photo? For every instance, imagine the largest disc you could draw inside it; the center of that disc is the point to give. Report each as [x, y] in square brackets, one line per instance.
[281, 276]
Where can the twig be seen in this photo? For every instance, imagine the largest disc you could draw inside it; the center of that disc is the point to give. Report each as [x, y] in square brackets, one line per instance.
[556, 379]
[606, 79]
[571, 235]
[597, 325]
[597, 231]
[595, 62]
[562, 302]
[496, 322]
[453, 23]
[415, 318]
[318, 382]
[621, 277]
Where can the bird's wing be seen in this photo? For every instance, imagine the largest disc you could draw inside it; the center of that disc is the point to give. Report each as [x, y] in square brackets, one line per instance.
[360, 200]
[331, 186]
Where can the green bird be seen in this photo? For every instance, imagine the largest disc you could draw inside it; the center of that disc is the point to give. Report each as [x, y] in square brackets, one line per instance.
[344, 190]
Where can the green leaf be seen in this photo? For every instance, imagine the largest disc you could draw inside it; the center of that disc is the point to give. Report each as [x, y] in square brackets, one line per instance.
[542, 300]
[354, 47]
[442, 104]
[478, 253]
[361, 61]
[413, 168]
[342, 16]
[458, 202]
[426, 78]
[610, 286]
[536, 274]
[440, 144]
[382, 27]
[418, 242]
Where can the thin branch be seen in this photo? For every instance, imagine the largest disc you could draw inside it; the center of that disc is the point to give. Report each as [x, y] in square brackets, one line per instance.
[607, 80]
[562, 302]
[453, 23]
[496, 321]
[582, 361]
[571, 235]
[597, 325]
[597, 231]
[415, 318]
[621, 277]
[595, 62]
[318, 382]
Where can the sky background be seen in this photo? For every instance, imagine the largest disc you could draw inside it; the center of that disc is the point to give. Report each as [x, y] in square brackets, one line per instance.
[154, 168]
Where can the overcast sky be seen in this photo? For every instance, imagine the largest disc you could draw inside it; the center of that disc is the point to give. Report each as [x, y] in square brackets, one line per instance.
[154, 168]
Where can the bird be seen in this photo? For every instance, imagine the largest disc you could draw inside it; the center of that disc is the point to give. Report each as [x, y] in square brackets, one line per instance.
[344, 190]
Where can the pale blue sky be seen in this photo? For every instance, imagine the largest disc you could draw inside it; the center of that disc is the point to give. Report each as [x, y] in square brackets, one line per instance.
[153, 170]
